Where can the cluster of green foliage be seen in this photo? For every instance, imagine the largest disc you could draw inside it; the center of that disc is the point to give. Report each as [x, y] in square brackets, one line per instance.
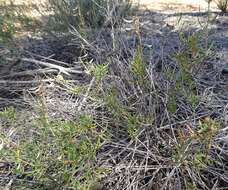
[188, 61]
[194, 145]
[62, 154]
[122, 115]
[52, 154]
[8, 114]
[81, 14]
[138, 67]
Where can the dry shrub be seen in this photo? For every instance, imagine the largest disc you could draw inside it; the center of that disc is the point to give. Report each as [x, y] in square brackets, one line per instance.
[86, 13]
[222, 5]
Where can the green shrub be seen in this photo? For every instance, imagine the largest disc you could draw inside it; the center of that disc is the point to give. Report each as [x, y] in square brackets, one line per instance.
[85, 13]
[200, 141]
[8, 115]
[52, 155]
[188, 62]
[138, 66]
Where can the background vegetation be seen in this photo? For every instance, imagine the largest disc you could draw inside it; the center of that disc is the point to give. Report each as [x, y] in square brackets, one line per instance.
[96, 113]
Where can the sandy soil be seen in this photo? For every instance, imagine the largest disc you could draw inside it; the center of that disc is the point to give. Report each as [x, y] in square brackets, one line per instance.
[163, 5]
[176, 5]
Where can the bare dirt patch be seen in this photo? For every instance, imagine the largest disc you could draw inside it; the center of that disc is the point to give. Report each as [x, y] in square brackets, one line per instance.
[176, 5]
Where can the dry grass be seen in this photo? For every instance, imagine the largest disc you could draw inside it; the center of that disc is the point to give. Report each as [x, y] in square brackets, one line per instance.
[115, 116]
[222, 5]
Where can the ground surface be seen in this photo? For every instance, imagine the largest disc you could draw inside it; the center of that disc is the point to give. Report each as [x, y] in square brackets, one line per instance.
[176, 5]
[161, 22]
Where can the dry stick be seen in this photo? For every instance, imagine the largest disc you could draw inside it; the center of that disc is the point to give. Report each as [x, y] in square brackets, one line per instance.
[48, 58]
[29, 73]
[53, 66]
[4, 82]
[169, 177]
[166, 127]
[86, 95]
[75, 32]
[24, 82]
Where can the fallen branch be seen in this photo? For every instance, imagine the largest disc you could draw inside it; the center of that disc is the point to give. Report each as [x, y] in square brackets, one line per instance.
[86, 95]
[2, 82]
[49, 59]
[61, 69]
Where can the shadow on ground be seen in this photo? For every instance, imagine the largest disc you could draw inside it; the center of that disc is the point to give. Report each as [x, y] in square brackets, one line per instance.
[159, 37]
